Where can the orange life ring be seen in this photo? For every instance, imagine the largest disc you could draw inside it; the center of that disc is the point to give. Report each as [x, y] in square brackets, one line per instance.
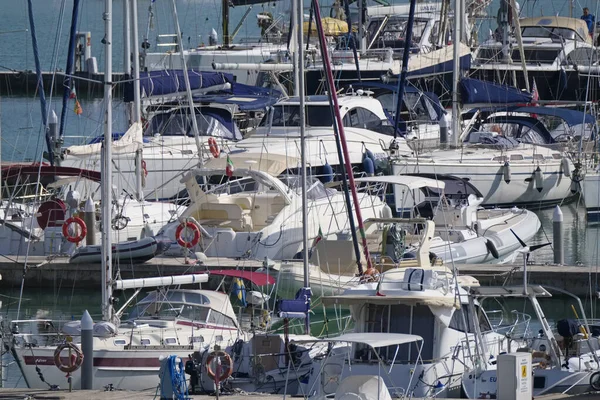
[226, 365]
[75, 360]
[214, 148]
[184, 243]
[82, 233]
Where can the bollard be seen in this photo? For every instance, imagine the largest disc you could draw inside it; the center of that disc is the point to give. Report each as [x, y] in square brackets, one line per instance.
[87, 346]
[89, 217]
[557, 233]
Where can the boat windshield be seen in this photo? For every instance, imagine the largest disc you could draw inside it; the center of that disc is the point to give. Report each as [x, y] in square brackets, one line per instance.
[549, 32]
[393, 33]
[180, 124]
[315, 188]
[289, 115]
[179, 305]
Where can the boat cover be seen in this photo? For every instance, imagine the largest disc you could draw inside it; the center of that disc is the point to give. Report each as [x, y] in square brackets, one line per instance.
[478, 91]
[258, 278]
[164, 82]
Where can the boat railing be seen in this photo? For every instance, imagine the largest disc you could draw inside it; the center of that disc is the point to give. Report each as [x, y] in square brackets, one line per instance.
[516, 327]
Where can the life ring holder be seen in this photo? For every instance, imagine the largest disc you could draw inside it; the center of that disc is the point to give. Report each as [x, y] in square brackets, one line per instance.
[82, 233]
[179, 237]
[226, 367]
[75, 359]
[213, 147]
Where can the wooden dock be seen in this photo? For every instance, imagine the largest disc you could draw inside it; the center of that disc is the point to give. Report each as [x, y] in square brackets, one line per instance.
[43, 272]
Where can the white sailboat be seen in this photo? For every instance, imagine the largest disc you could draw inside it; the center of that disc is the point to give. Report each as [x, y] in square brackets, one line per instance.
[126, 355]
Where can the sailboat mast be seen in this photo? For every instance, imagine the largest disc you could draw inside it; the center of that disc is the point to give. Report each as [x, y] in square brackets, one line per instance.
[456, 72]
[300, 93]
[106, 251]
[137, 107]
[186, 79]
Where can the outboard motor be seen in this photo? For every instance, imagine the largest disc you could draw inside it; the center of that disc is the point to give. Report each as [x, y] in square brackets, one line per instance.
[567, 328]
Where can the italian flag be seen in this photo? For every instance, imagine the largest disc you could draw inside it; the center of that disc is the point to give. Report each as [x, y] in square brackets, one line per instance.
[229, 168]
[318, 238]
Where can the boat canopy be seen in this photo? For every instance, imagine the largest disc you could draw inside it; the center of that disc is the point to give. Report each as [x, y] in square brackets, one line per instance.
[371, 339]
[549, 26]
[477, 91]
[258, 278]
[571, 117]
[165, 82]
[411, 182]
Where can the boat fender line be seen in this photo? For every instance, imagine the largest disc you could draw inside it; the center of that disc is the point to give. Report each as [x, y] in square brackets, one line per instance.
[82, 230]
[225, 362]
[181, 241]
[213, 147]
[538, 179]
[75, 357]
[492, 249]
[566, 168]
[595, 380]
[506, 172]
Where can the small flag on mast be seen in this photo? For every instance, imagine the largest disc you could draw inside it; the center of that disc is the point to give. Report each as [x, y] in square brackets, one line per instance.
[229, 169]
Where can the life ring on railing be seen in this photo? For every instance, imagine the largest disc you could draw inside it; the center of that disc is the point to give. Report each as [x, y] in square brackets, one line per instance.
[75, 359]
[213, 147]
[82, 228]
[181, 241]
[226, 365]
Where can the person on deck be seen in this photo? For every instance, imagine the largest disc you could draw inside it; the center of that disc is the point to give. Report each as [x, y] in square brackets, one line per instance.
[590, 20]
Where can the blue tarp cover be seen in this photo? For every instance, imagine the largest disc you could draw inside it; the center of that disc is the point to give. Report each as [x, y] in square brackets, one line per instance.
[571, 117]
[477, 91]
[158, 83]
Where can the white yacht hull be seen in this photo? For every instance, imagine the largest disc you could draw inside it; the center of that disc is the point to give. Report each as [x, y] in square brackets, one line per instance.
[131, 369]
[488, 177]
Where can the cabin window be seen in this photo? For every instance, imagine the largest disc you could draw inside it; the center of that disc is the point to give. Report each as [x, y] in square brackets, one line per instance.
[120, 342]
[516, 157]
[289, 115]
[463, 315]
[400, 318]
[170, 340]
[194, 313]
[145, 342]
[196, 339]
[218, 318]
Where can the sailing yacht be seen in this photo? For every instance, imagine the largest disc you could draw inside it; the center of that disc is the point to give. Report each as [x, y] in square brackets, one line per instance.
[509, 157]
[559, 54]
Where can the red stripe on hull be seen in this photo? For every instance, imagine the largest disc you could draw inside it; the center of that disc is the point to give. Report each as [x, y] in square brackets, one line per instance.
[98, 361]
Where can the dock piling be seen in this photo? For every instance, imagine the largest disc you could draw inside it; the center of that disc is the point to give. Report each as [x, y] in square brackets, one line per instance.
[557, 233]
[87, 346]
